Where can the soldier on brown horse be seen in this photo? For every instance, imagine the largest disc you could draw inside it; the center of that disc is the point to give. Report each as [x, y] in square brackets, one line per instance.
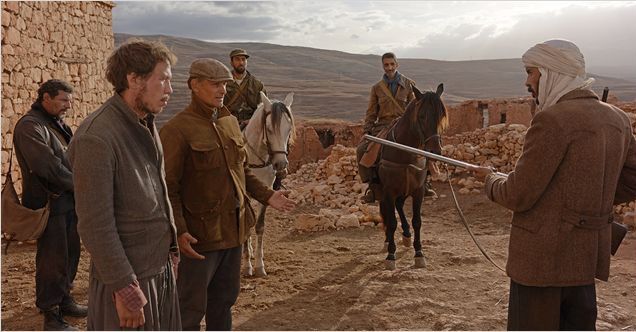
[403, 175]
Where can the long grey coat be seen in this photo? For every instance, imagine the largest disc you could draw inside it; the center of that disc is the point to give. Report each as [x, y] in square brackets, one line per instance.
[125, 218]
[563, 189]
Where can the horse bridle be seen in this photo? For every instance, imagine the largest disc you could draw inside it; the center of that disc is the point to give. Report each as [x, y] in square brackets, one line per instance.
[270, 152]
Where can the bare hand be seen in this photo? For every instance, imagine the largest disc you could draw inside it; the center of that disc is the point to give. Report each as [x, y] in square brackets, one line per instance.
[128, 319]
[481, 172]
[184, 246]
[432, 167]
[279, 201]
[175, 259]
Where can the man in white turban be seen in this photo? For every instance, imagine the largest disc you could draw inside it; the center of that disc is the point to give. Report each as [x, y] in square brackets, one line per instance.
[578, 160]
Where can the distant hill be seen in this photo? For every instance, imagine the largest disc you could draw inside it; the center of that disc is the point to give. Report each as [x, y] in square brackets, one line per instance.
[335, 85]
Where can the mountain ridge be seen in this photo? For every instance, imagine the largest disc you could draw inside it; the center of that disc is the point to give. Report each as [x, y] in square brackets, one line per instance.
[336, 84]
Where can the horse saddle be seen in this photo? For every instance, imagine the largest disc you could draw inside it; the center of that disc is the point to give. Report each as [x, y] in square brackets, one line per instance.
[371, 156]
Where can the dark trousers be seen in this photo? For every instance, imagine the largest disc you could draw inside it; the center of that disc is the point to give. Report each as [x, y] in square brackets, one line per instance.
[552, 308]
[209, 287]
[56, 260]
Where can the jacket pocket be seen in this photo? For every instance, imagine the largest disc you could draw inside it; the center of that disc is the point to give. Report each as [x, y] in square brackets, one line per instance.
[205, 156]
[204, 221]
[239, 155]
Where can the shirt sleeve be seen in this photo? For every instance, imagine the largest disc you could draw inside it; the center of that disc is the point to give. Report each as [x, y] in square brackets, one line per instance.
[372, 111]
[132, 296]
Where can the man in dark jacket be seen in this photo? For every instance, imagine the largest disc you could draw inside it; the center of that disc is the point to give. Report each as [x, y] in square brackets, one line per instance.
[40, 139]
[208, 183]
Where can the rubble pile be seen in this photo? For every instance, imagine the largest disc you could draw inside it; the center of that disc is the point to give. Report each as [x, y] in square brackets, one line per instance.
[333, 186]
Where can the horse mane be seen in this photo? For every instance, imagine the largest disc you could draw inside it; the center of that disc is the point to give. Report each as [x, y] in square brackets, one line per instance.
[254, 131]
[435, 116]
[278, 111]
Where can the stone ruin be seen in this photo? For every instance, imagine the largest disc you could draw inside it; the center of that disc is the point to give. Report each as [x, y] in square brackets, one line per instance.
[41, 40]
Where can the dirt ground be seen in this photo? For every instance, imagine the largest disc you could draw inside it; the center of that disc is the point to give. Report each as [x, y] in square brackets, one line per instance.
[336, 280]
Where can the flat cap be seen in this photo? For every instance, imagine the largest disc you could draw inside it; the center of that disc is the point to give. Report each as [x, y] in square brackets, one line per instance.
[239, 51]
[210, 69]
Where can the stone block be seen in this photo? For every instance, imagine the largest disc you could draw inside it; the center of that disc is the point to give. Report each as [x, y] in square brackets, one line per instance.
[348, 221]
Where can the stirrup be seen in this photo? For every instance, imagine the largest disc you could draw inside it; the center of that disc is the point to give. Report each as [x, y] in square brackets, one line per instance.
[369, 196]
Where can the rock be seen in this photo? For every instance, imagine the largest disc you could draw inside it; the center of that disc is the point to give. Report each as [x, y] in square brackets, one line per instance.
[312, 222]
[348, 221]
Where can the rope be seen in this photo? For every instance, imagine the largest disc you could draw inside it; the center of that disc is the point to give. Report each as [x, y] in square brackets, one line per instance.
[465, 223]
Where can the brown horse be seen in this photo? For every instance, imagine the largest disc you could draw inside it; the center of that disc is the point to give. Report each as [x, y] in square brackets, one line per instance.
[402, 174]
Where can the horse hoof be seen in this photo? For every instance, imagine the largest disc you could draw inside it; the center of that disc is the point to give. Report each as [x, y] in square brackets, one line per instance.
[248, 272]
[420, 262]
[260, 272]
[389, 265]
[386, 247]
[406, 241]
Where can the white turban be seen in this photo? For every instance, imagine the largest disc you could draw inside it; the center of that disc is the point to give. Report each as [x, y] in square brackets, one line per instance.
[562, 69]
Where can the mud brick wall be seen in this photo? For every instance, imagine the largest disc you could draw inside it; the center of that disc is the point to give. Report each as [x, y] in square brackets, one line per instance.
[43, 40]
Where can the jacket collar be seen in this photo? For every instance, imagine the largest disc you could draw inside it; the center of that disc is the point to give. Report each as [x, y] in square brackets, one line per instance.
[578, 94]
[198, 107]
[128, 112]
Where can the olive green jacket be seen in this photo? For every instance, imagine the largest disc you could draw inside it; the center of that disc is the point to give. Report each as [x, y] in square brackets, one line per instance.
[208, 178]
[382, 110]
[243, 100]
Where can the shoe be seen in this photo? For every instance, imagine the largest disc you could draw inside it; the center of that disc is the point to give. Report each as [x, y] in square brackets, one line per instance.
[73, 309]
[428, 191]
[53, 321]
[368, 197]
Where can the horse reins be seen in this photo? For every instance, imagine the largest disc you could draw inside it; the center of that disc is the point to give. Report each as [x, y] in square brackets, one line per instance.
[270, 151]
[465, 223]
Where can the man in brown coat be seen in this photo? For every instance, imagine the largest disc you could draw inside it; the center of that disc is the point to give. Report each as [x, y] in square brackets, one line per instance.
[208, 183]
[387, 102]
[125, 219]
[578, 158]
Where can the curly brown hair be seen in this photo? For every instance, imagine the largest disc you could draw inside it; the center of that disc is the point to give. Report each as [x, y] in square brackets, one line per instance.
[136, 56]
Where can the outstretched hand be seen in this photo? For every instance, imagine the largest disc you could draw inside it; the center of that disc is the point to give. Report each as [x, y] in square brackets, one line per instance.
[279, 201]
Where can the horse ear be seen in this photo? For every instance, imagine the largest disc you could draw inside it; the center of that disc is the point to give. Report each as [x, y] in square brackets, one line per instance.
[418, 93]
[289, 99]
[266, 102]
[440, 89]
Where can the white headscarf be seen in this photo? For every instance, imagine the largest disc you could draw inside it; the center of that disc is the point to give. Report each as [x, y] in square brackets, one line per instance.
[562, 69]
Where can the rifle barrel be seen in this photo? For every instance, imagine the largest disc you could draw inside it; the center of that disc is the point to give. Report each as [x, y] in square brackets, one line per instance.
[427, 154]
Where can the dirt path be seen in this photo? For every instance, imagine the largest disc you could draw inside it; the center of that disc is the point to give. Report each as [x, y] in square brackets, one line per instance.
[336, 280]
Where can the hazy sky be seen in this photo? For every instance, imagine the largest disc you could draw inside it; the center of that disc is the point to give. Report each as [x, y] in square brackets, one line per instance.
[604, 31]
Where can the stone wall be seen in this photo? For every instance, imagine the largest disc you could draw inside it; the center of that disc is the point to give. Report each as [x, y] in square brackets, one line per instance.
[43, 40]
[469, 115]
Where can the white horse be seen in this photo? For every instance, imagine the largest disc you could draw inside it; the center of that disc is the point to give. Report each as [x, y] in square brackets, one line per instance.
[268, 134]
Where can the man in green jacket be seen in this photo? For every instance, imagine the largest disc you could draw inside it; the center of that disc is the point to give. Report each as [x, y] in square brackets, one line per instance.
[243, 91]
[208, 183]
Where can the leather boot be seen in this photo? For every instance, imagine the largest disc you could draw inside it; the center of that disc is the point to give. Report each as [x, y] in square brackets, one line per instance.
[69, 307]
[53, 321]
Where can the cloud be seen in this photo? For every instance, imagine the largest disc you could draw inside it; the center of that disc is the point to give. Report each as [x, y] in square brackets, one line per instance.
[438, 30]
